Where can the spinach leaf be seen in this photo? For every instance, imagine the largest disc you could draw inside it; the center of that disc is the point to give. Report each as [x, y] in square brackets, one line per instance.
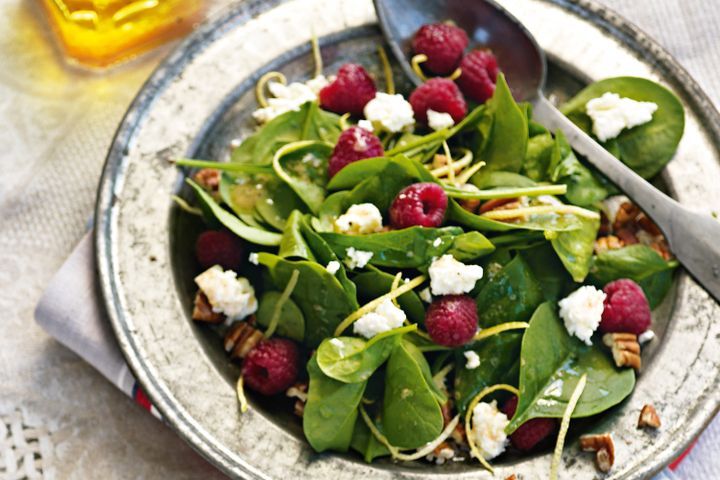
[291, 323]
[292, 243]
[498, 354]
[276, 203]
[307, 123]
[320, 296]
[470, 246]
[549, 271]
[551, 364]
[330, 411]
[375, 283]
[550, 222]
[231, 222]
[324, 255]
[355, 173]
[507, 139]
[304, 168]
[583, 189]
[365, 443]
[636, 262]
[411, 412]
[645, 148]
[538, 157]
[331, 208]
[407, 248]
[352, 359]
[575, 247]
[484, 180]
[511, 295]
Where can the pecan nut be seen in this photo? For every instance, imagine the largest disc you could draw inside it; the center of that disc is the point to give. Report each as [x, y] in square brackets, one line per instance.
[604, 448]
[241, 338]
[202, 310]
[209, 179]
[611, 242]
[648, 417]
[625, 349]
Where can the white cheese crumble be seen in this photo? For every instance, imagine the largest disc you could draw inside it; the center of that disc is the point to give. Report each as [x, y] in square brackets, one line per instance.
[389, 112]
[472, 360]
[612, 113]
[332, 267]
[646, 337]
[582, 311]
[439, 120]
[359, 219]
[441, 457]
[366, 125]
[289, 97]
[384, 318]
[227, 293]
[356, 258]
[425, 295]
[450, 277]
[254, 259]
[611, 205]
[488, 426]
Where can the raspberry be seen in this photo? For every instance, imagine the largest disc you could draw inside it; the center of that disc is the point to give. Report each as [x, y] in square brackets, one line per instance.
[626, 308]
[354, 144]
[479, 74]
[452, 320]
[272, 366]
[530, 433]
[443, 44]
[440, 95]
[349, 92]
[421, 204]
[219, 247]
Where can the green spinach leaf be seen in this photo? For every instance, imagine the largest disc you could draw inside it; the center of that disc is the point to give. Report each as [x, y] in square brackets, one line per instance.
[292, 243]
[291, 323]
[365, 443]
[304, 168]
[538, 157]
[551, 364]
[375, 283]
[575, 247]
[470, 246]
[330, 411]
[583, 189]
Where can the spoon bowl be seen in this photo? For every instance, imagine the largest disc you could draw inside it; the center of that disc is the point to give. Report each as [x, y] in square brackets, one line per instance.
[691, 236]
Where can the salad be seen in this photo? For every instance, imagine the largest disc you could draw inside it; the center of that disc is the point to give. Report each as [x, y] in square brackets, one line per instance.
[435, 276]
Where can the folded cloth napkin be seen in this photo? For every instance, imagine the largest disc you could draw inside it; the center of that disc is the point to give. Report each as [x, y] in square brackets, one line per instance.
[70, 311]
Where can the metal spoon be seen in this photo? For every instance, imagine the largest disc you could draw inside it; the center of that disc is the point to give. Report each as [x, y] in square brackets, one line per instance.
[693, 238]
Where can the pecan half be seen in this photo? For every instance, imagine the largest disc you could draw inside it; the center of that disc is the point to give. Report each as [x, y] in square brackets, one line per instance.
[648, 417]
[604, 448]
[208, 178]
[626, 214]
[241, 338]
[611, 242]
[625, 349]
[202, 310]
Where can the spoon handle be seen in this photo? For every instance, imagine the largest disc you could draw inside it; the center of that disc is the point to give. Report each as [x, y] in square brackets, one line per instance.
[693, 238]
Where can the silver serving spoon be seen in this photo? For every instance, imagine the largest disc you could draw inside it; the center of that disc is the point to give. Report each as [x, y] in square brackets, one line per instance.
[693, 238]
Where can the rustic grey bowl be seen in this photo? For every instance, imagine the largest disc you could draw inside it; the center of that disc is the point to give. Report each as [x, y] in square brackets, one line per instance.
[200, 98]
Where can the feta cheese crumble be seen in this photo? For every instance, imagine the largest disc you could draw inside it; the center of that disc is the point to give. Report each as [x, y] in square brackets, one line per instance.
[227, 293]
[254, 259]
[450, 277]
[646, 337]
[425, 295]
[472, 360]
[439, 120]
[332, 267]
[488, 426]
[289, 97]
[389, 112]
[582, 311]
[366, 125]
[359, 219]
[611, 205]
[441, 457]
[611, 113]
[384, 318]
[356, 258]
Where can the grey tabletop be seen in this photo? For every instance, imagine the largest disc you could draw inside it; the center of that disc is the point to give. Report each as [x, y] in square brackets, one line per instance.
[56, 124]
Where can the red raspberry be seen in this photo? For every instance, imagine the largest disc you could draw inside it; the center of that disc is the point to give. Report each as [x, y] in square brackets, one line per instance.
[272, 366]
[626, 308]
[441, 95]
[219, 247]
[530, 433]
[421, 204]
[452, 320]
[443, 44]
[351, 90]
[354, 144]
[479, 74]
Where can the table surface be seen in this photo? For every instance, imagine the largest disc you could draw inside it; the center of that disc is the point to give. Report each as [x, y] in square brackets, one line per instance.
[56, 123]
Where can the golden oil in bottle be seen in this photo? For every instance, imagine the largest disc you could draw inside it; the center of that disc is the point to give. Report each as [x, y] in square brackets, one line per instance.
[102, 32]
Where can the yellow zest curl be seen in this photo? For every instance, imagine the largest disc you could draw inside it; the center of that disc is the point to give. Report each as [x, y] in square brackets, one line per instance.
[503, 327]
[415, 63]
[262, 83]
[565, 424]
[387, 71]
